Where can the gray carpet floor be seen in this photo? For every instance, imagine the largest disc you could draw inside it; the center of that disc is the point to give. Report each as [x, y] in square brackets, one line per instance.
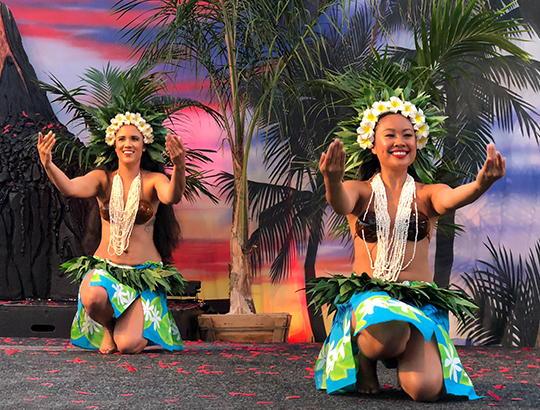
[38, 373]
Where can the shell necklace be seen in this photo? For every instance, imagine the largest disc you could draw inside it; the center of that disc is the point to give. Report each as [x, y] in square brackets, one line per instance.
[391, 250]
[122, 218]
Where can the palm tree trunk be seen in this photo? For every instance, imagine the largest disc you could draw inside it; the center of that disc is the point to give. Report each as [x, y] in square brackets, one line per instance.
[444, 254]
[316, 319]
[239, 274]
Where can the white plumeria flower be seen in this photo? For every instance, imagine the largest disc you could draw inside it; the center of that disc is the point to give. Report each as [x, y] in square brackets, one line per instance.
[148, 140]
[110, 138]
[419, 117]
[421, 142]
[422, 131]
[379, 107]
[409, 109]
[365, 143]
[452, 362]
[395, 105]
[370, 116]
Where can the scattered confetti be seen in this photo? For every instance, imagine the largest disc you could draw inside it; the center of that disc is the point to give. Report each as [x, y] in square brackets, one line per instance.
[494, 396]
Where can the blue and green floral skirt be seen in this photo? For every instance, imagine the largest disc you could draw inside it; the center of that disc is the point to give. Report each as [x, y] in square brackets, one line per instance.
[159, 326]
[337, 364]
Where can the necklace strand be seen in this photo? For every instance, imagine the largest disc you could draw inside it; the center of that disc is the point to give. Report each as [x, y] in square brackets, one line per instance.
[122, 218]
[391, 251]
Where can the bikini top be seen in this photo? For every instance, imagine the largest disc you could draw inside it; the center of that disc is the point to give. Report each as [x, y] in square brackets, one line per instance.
[144, 213]
[369, 227]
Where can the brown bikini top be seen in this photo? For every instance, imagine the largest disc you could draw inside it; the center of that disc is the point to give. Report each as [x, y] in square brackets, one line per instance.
[369, 227]
[144, 213]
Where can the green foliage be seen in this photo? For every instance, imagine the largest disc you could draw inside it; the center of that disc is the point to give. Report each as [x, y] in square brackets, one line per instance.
[338, 289]
[154, 275]
[105, 93]
[507, 291]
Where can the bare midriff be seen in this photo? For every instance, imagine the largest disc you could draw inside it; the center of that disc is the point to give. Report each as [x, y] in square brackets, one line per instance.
[141, 247]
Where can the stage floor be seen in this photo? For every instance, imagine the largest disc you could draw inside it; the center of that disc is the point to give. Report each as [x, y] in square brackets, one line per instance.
[39, 373]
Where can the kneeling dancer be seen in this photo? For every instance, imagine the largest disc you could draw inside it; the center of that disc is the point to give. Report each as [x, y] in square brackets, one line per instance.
[392, 311]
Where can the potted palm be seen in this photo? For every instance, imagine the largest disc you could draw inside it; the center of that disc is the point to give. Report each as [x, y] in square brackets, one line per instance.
[236, 45]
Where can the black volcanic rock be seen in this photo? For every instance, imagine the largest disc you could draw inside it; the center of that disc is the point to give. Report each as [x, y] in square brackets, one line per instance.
[39, 228]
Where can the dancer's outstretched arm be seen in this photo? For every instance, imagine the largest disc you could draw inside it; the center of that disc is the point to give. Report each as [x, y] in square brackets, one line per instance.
[341, 196]
[171, 191]
[445, 199]
[86, 186]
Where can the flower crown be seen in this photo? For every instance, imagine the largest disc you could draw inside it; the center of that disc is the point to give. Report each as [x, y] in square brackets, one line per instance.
[129, 119]
[366, 130]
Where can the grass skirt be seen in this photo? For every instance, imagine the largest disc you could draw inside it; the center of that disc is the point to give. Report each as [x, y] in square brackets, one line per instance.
[159, 326]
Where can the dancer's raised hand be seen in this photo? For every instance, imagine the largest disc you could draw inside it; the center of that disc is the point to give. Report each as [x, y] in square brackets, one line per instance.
[494, 168]
[176, 150]
[45, 145]
[332, 163]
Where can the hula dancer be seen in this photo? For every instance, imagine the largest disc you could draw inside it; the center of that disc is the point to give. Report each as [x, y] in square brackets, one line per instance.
[123, 285]
[393, 312]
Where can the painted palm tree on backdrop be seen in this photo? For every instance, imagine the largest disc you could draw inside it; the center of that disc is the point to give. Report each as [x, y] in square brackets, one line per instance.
[295, 194]
[235, 45]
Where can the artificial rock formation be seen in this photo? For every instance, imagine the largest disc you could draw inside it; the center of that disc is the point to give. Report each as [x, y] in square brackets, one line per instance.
[39, 228]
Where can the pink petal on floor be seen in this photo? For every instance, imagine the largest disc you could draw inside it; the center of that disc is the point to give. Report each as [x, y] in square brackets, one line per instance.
[33, 378]
[131, 369]
[52, 371]
[494, 396]
[43, 397]
[170, 400]
[265, 402]
[82, 392]
[126, 395]
[499, 386]
[249, 394]
[516, 399]
[209, 396]
[47, 384]
[292, 397]
[78, 401]
[235, 394]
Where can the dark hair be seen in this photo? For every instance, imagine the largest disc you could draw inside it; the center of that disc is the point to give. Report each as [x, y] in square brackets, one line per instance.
[166, 228]
[371, 167]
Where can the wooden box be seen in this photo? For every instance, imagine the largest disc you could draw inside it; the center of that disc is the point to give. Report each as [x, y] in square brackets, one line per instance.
[260, 327]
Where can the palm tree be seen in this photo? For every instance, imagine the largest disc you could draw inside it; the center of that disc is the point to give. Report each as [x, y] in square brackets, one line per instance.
[507, 291]
[236, 45]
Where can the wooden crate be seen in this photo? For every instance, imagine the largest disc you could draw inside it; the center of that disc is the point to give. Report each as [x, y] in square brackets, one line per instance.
[260, 327]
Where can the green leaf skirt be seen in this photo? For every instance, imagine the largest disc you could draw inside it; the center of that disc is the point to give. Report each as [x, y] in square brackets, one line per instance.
[150, 275]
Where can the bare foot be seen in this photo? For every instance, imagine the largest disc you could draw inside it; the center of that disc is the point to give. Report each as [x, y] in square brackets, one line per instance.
[367, 381]
[108, 345]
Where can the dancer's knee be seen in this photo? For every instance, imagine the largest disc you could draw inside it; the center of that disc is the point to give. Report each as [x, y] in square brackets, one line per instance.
[421, 388]
[94, 299]
[130, 345]
[384, 340]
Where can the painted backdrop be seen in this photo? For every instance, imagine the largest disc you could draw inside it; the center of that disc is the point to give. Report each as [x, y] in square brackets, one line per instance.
[64, 37]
